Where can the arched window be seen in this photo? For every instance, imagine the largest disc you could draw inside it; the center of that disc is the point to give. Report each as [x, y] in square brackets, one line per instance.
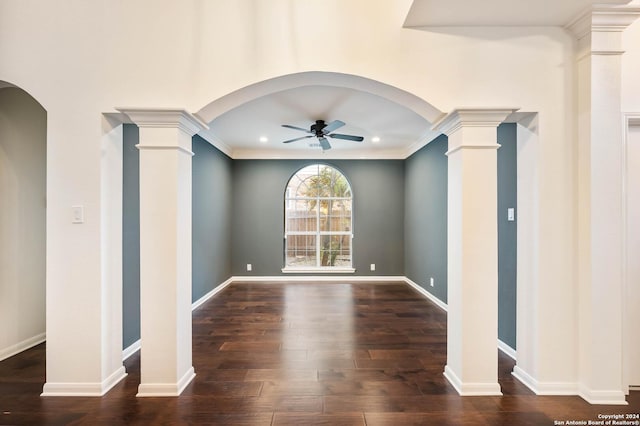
[318, 220]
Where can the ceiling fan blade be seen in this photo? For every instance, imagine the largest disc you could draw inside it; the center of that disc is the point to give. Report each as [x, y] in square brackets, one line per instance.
[330, 127]
[324, 143]
[296, 128]
[297, 139]
[347, 137]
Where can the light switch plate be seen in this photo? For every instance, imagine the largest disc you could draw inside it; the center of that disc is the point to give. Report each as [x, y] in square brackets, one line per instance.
[511, 214]
[77, 214]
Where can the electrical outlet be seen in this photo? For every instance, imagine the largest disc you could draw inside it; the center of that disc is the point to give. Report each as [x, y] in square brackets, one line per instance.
[373, 266]
[431, 281]
[249, 267]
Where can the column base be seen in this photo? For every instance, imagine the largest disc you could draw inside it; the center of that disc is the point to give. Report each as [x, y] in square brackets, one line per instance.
[544, 388]
[84, 389]
[598, 397]
[471, 389]
[166, 389]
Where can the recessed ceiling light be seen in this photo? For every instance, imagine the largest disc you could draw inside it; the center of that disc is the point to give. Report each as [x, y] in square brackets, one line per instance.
[375, 139]
[264, 139]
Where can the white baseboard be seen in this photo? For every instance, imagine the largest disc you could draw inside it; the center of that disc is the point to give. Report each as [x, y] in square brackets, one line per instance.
[545, 388]
[596, 397]
[166, 389]
[131, 349]
[319, 278]
[195, 305]
[22, 346]
[507, 350]
[84, 389]
[426, 294]
[471, 389]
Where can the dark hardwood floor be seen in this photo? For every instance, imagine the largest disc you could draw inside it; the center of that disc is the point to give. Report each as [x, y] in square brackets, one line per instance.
[301, 354]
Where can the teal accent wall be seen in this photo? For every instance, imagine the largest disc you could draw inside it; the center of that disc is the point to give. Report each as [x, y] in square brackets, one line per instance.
[130, 236]
[258, 221]
[212, 215]
[425, 219]
[507, 233]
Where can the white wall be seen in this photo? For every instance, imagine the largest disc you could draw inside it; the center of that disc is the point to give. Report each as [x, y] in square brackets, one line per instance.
[22, 221]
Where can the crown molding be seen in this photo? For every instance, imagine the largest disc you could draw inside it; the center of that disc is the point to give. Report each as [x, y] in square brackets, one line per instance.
[472, 117]
[208, 135]
[317, 154]
[165, 118]
[602, 18]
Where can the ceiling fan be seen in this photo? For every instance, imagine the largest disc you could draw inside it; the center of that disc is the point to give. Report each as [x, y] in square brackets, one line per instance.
[322, 130]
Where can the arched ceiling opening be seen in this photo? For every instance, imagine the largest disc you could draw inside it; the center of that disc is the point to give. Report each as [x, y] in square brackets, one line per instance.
[248, 122]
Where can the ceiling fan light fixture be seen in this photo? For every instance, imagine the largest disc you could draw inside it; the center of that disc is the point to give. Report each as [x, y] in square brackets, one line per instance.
[263, 139]
[375, 139]
[322, 131]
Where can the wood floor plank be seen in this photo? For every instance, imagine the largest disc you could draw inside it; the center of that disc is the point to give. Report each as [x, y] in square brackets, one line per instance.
[282, 419]
[301, 354]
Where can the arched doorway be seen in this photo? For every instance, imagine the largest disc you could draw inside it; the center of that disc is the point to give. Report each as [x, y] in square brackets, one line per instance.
[23, 128]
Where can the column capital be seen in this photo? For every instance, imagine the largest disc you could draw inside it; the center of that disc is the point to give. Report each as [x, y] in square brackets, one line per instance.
[472, 117]
[165, 118]
[606, 21]
[474, 128]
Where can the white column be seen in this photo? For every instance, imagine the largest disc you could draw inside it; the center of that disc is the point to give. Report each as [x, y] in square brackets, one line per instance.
[165, 249]
[472, 253]
[84, 256]
[600, 242]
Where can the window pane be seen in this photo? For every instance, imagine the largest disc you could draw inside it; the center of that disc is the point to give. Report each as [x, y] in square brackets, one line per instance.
[301, 250]
[335, 215]
[301, 216]
[335, 250]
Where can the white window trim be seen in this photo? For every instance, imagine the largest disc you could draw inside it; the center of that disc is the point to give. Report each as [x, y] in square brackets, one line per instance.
[318, 270]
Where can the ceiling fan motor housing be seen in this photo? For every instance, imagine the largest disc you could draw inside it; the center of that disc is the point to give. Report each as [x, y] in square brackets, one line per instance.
[317, 128]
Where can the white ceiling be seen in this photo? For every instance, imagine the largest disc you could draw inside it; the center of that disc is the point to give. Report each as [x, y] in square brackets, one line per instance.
[401, 130]
[365, 114]
[457, 13]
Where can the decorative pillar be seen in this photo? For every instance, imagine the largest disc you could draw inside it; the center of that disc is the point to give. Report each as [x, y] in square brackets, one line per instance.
[600, 215]
[472, 252]
[165, 249]
[84, 256]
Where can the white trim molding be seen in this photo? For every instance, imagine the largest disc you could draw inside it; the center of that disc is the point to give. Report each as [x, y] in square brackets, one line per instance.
[545, 388]
[471, 389]
[426, 294]
[507, 350]
[84, 389]
[318, 270]
[328, 278]
[12, 350]
[165, 117]
[131, 349]
[612, 397]
[166, 389]
[195, 305]
[472, 117]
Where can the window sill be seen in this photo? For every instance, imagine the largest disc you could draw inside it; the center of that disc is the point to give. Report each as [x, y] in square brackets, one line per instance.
[326, 270]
